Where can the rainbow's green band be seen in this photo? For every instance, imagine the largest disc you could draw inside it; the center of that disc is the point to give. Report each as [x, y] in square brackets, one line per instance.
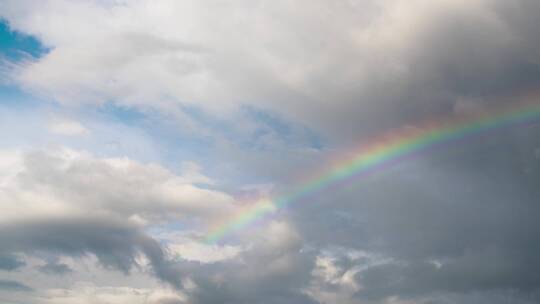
[382, 152]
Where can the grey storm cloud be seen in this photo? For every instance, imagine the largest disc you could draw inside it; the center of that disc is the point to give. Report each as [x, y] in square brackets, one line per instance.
[10, 262]
[274, 271]
[13, 286]
[55, 268]
[462, 220]
[115, 243]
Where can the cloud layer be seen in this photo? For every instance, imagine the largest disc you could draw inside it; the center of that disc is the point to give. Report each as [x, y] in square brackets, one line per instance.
[333, 66]
[268, 90]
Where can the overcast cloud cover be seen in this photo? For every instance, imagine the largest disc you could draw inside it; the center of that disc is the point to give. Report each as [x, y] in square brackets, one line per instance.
[128, 128]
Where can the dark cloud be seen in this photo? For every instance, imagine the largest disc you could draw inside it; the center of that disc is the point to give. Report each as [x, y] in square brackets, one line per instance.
[480, 271]
[10, 262]
[274, 271]
[115, 243]
[461, 53]
[458, 221]
[55, 268]
[13, 286]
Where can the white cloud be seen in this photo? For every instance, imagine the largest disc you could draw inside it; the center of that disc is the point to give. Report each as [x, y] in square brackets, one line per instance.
[204, 253]
[334, 281]
[191, 171]
[66, 182]
[328, 274]
[90, 294]
[67, 127]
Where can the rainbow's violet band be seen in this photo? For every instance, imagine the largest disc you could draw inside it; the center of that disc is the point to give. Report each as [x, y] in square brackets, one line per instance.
[383, 152]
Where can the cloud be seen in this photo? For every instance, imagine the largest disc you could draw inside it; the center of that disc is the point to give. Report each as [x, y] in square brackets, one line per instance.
[85, 293]
[191, 250]
[331, 66]
[66, 203]
[70, 203]
[55, 268]
[77, 183]
[67, 128]
[455, 222]
[115, 243]
[13, 286]
[273, 270]
[10, 262]
[87, 207]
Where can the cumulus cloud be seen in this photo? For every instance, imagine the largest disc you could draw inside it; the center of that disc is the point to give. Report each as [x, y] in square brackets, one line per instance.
[67, 127]
[55, 268]
[188, 248]
[13, 285]
[116, 244]
[273, 270]
[10, 262]
[67, 203]
[70, 203]
[69, 182]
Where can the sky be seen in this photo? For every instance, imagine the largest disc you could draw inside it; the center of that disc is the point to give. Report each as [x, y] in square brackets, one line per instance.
[269, 152]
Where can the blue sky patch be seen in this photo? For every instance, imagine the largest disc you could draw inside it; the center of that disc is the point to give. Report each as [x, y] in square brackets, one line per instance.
[15, 45]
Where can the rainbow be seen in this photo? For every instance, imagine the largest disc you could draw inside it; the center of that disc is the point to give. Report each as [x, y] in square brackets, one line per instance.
[382, 152]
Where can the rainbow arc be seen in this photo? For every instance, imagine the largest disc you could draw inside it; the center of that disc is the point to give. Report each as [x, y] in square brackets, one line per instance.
[382, 152]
